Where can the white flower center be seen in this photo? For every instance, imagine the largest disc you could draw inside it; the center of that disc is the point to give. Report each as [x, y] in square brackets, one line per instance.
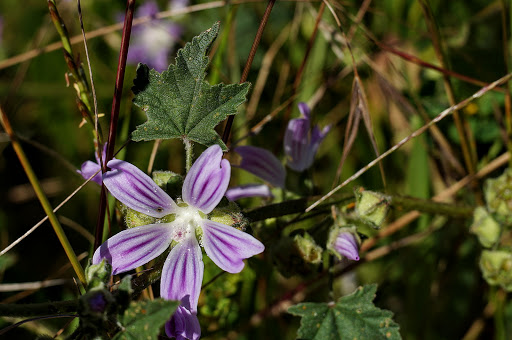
[186, 222]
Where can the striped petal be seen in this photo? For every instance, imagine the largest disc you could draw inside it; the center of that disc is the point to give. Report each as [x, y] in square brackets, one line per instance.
[228, 246]
[207, 180]
[134, 247]
[90, 168]
[262, 163]
[182, 273]
[137, 190]
[249, 190]
[183, 325]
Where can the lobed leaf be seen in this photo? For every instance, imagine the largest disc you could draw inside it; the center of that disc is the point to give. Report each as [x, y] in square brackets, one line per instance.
[179, 103]
[353, 317]
[144, 319]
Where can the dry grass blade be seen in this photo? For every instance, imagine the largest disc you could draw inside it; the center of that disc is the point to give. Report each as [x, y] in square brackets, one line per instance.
[31, 230]
[358, 109]
[363, 107]
[354, 117]
[416, 133]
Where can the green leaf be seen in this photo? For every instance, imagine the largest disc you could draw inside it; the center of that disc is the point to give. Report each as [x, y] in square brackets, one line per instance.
[353, 317]
[179, 103]
[143, 319]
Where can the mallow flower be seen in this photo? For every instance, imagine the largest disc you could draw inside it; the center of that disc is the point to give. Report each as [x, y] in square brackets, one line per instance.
[184, 225]
[152, 42]
[301, 142]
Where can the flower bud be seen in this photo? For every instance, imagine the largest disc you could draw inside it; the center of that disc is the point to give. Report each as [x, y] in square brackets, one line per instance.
[344, 242]
[496, 267]
[485, 227]
[498, 195]
[301, 142]
[98, 274]
[371, 207]
[308, 249]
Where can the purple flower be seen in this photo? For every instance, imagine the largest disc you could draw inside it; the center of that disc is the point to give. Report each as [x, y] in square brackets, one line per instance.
[181, 224]
[249, 190]
[345, 242]
[301, 142]
[152, 42]
[89, 168]
[262, 163]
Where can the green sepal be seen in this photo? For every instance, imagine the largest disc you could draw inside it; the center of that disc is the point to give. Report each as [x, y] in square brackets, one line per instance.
[371, 207]
[485, 227]
[496, 267]
[98, 275]
[308, 249]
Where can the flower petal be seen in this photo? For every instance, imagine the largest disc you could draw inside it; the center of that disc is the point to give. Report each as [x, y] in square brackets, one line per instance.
[182, 273]
[134, 247]
[250, 190]
[297, 144]
[304, 110]
[137, 190]
[207, 180]
[228, 246]
[183, 325]
[262, 163]
[346, 245]
[89, 168]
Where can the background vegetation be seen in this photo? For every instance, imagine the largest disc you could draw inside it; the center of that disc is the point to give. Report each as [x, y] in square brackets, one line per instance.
[412, 59]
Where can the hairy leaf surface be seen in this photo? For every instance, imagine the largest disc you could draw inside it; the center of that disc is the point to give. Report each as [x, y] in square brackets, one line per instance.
[144, 319]
[179, 103]
[353, 317]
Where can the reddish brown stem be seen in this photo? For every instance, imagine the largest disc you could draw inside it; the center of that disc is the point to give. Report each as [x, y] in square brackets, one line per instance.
[252, 53]
[114, 115]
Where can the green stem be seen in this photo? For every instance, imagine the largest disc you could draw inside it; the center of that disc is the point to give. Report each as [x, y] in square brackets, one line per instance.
[431, 207]
[42, 197]
[189, 153]
[35, 309]
[76, 70]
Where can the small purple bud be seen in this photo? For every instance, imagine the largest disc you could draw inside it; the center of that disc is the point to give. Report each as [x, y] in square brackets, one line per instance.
[98, 303]
[345, 242]
[301, 142]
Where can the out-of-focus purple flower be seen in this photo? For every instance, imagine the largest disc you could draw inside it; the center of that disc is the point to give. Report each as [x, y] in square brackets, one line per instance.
[345, 242]
[262, 163]
[249, 190]
[301, 142]
[89, 168]
[185, 222]
[152, 42]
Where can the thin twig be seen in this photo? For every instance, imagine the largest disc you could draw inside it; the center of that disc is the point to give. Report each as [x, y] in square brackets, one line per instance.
[4, 120]
[248, 63]
[114, 115]
[31, 230]
[99, 149]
